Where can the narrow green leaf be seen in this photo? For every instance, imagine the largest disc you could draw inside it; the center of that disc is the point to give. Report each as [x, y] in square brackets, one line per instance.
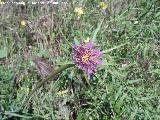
[134, 81]
[3, 52]
[96, 31]
[17, 115]
[116, 47]
[76, 41]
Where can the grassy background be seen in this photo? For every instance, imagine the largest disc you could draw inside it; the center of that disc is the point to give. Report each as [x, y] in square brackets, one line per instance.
[125, 87]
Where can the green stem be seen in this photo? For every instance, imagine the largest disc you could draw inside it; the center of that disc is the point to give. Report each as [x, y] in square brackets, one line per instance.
[51, 76]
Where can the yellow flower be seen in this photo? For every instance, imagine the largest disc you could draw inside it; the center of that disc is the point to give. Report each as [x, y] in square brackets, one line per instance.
[78, 11]
[24, 89]
[62, 93]
[87, 40]
[103, 5]
[23, 23]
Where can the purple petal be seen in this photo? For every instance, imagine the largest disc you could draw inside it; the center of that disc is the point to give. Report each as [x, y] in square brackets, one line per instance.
[89, 44]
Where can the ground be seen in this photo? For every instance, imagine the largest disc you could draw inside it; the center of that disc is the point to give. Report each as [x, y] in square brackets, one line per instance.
[36, 40]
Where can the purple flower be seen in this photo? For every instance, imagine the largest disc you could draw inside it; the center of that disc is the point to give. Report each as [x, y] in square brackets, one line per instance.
[86, 57]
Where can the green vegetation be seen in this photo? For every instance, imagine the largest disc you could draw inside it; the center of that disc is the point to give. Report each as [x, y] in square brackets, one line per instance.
[37, 39]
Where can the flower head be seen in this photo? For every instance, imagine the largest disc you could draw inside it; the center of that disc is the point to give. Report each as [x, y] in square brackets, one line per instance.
[23, 23]
[86, 57]
[103, 5]
[62, 93]
[87, 40]
[78, 11]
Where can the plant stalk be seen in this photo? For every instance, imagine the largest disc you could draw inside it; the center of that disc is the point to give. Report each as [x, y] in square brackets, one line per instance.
[51, 76]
